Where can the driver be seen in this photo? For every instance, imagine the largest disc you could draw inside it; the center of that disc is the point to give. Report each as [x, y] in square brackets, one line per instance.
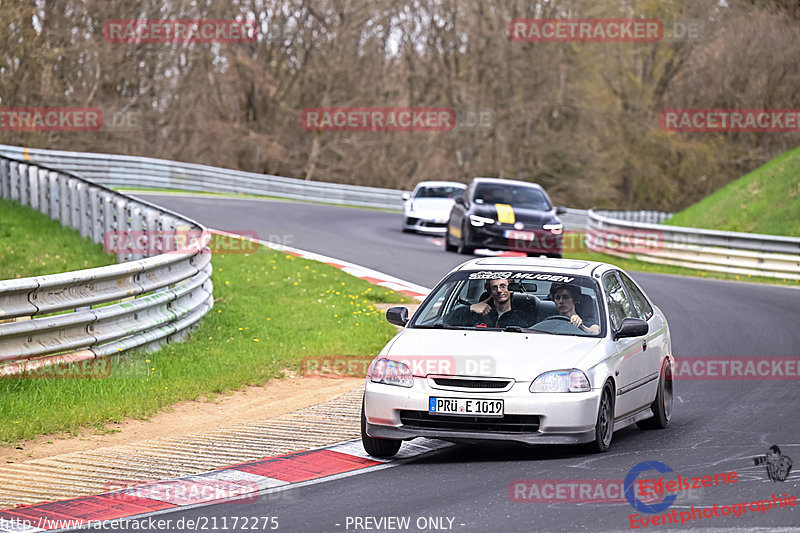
[566, 297]
[496, 311]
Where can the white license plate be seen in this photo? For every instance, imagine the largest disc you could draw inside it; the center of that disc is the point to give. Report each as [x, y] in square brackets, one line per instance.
[464, 406]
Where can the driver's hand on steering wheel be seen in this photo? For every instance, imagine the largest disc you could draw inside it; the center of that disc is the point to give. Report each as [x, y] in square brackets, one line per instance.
[481, 308]
[576, 320]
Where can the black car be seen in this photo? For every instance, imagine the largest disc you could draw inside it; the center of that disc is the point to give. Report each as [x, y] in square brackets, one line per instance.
[505, 215]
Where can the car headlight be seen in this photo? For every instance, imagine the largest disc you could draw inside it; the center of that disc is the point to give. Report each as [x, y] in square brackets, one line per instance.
[572, 380]
[390, 372]
[479, 221]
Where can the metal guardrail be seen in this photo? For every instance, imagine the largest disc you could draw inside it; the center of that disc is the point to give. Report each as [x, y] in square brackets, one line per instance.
[153, 299]
[130, 171]
[720, 251]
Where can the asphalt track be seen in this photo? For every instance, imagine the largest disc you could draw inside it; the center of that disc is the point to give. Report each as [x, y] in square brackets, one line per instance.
[717, 425]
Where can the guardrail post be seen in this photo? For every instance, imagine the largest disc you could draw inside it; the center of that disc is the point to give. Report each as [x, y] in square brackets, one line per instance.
[44, 191]
[15, 181]
[84, 212]
[95, 214]
[55, 197]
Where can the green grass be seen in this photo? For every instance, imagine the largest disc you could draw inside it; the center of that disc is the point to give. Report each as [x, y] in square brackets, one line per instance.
[767, 200]
[271, 311]
[134, 190]
[33, 244]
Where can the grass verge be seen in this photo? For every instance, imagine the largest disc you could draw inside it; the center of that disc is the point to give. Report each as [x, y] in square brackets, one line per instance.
[33, 244]
[767, 200]
[635, 265]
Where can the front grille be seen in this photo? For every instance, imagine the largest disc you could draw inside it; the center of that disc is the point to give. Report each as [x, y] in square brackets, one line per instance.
[472, 383]
[429, 224]
[411, 221]
[505, 424]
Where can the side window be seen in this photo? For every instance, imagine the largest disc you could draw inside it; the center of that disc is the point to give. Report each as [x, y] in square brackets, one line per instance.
[639, 300]
[618, 305]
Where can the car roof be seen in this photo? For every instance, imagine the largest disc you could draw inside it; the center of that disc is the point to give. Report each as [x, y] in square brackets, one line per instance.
[501, 181]
[440, 184]
[572, 267]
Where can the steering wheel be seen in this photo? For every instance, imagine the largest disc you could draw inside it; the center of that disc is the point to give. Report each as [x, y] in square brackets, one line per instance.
[558, 317]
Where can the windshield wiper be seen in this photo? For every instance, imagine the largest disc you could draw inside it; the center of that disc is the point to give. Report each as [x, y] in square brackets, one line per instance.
[442, 325]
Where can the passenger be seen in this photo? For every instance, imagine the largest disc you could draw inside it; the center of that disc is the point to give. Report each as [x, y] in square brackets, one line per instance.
[496, 311]
[566, 297]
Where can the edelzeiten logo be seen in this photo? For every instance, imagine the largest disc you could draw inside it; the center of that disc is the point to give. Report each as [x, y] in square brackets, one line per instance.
[727, 120]
[50, 119]
[594, 30]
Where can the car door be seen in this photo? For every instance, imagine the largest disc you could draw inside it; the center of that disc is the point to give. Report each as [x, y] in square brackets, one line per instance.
[656, 336]
[458, 213]
[632, 367]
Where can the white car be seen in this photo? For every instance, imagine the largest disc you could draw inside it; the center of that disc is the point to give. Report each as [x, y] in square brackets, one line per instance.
[427, 209]
[581, 352]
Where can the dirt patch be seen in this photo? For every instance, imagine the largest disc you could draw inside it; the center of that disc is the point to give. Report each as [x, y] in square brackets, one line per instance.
[276, 398]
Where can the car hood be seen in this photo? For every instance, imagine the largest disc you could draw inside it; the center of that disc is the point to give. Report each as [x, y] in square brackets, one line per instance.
[520, 214]
[433, 205]
[521, 356]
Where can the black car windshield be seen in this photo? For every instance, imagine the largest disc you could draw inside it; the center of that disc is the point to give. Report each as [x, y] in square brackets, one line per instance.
[513, 195]
[439, 192]
[515, 301]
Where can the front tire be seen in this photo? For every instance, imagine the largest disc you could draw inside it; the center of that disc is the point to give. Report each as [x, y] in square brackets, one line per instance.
[447, 246]
[604, 428]
[662, 405]
[463, 248]
[377, 447]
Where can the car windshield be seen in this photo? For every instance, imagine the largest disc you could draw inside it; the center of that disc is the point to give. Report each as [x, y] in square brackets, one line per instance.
[513, 195]
[439, 192]
[514, 301]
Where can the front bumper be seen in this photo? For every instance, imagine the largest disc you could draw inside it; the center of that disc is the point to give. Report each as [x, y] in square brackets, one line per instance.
[543, 418]
[503, 237]
[424, 225]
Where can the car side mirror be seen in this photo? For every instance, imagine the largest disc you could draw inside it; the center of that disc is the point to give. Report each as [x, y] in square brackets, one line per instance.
[406, 197]
[561, 210]
[631, 327]
[397, 316]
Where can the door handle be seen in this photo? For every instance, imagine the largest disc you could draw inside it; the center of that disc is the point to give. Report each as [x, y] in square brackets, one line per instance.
[644, 345]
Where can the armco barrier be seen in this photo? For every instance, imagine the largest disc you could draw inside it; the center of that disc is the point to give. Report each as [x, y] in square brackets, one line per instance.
[130, 171]
[154, 300]
[720, 251]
